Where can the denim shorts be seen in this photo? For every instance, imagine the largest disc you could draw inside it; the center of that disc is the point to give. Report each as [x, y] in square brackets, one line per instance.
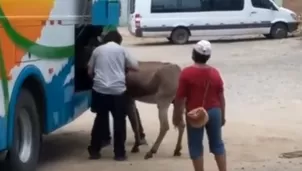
[213, 128]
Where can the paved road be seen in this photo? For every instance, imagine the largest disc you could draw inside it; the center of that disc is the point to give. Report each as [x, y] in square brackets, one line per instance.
[264, 103]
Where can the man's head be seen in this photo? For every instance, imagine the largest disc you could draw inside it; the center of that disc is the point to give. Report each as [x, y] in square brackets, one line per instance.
[202, 51]
[113, 36]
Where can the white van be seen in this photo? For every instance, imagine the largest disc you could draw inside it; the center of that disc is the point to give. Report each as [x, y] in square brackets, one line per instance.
[177, 20]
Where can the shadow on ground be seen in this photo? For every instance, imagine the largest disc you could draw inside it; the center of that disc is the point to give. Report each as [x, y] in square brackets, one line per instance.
[163, 42]
[63, 146]
[228, 40]
[72, 146]
[60, 147]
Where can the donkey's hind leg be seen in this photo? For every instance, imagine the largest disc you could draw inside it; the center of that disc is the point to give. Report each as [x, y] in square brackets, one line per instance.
[136, 125]
[142, 135]
[164, 127]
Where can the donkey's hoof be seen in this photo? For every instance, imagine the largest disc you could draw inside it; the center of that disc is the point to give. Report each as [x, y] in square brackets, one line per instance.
[135, 150]
[148, 155]
[143, 142]
[177, 153]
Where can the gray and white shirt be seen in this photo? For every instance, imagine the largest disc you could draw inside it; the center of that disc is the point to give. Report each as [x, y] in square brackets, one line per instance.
[109, 63]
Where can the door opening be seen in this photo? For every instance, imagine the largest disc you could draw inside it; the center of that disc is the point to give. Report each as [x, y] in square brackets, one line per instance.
[85, 42]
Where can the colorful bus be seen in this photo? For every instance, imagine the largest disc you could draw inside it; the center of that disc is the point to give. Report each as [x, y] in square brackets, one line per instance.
[44, 49]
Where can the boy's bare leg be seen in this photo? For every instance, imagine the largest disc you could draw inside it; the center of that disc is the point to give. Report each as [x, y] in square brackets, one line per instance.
[221, 162]
[198, 164]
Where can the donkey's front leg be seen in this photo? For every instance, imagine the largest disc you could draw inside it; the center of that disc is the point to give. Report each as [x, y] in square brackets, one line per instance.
[164, 127]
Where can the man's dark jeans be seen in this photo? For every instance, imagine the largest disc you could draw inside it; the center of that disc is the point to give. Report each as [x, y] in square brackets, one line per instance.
[102, 104]
[134, 118]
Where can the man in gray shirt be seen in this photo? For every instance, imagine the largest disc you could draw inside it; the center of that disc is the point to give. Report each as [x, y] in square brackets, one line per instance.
[107, 66]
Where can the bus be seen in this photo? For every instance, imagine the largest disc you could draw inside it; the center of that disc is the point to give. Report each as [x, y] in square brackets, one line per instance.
[45, 46]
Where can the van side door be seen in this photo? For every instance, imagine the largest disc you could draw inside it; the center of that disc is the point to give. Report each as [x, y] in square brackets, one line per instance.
[261, 15]
[214, 18]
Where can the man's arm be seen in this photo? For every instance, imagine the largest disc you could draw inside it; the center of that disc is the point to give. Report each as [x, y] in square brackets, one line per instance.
[131, 63]
[221, 98]
[222, 102]
[91, 63]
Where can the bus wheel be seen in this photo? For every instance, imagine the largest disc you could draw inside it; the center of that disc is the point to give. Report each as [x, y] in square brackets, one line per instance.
[24, 152]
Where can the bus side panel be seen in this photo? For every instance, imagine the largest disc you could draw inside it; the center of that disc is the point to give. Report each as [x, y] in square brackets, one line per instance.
[81, 102]
[3, 133]
[7, 60]
[63, 104]
[59, 94]
[57, 74]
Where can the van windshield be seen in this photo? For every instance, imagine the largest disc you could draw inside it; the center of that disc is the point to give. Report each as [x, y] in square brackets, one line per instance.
[132, 6]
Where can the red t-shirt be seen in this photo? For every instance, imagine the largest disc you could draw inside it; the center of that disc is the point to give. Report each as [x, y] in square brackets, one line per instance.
[192, 86]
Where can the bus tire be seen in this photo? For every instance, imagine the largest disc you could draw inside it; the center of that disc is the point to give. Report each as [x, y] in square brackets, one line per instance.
[24, 152]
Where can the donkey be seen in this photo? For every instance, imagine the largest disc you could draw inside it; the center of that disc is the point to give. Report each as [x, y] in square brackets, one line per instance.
[155, 83]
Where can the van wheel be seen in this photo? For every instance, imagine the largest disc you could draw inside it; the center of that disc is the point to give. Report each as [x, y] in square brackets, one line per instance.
[169, 39]
[279, 31]
[24, 152]
[268, 36]
[180, 36]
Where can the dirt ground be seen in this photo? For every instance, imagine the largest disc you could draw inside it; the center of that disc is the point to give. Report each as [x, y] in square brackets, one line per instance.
[264, 103]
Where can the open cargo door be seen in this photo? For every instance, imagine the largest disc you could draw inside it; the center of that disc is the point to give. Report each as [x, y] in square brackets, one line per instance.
[102, 16]
[105, 12]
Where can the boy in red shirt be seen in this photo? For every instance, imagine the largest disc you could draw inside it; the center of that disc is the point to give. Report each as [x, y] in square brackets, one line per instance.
[200, 85]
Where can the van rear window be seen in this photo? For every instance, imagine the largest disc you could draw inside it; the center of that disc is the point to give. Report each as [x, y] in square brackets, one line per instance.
[132, 6]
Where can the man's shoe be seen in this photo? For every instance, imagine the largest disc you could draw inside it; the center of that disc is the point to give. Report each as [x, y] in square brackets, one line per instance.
[93, 155]
[120, 158]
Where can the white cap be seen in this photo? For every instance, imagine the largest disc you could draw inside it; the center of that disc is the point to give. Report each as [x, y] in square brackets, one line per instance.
[203, 47]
